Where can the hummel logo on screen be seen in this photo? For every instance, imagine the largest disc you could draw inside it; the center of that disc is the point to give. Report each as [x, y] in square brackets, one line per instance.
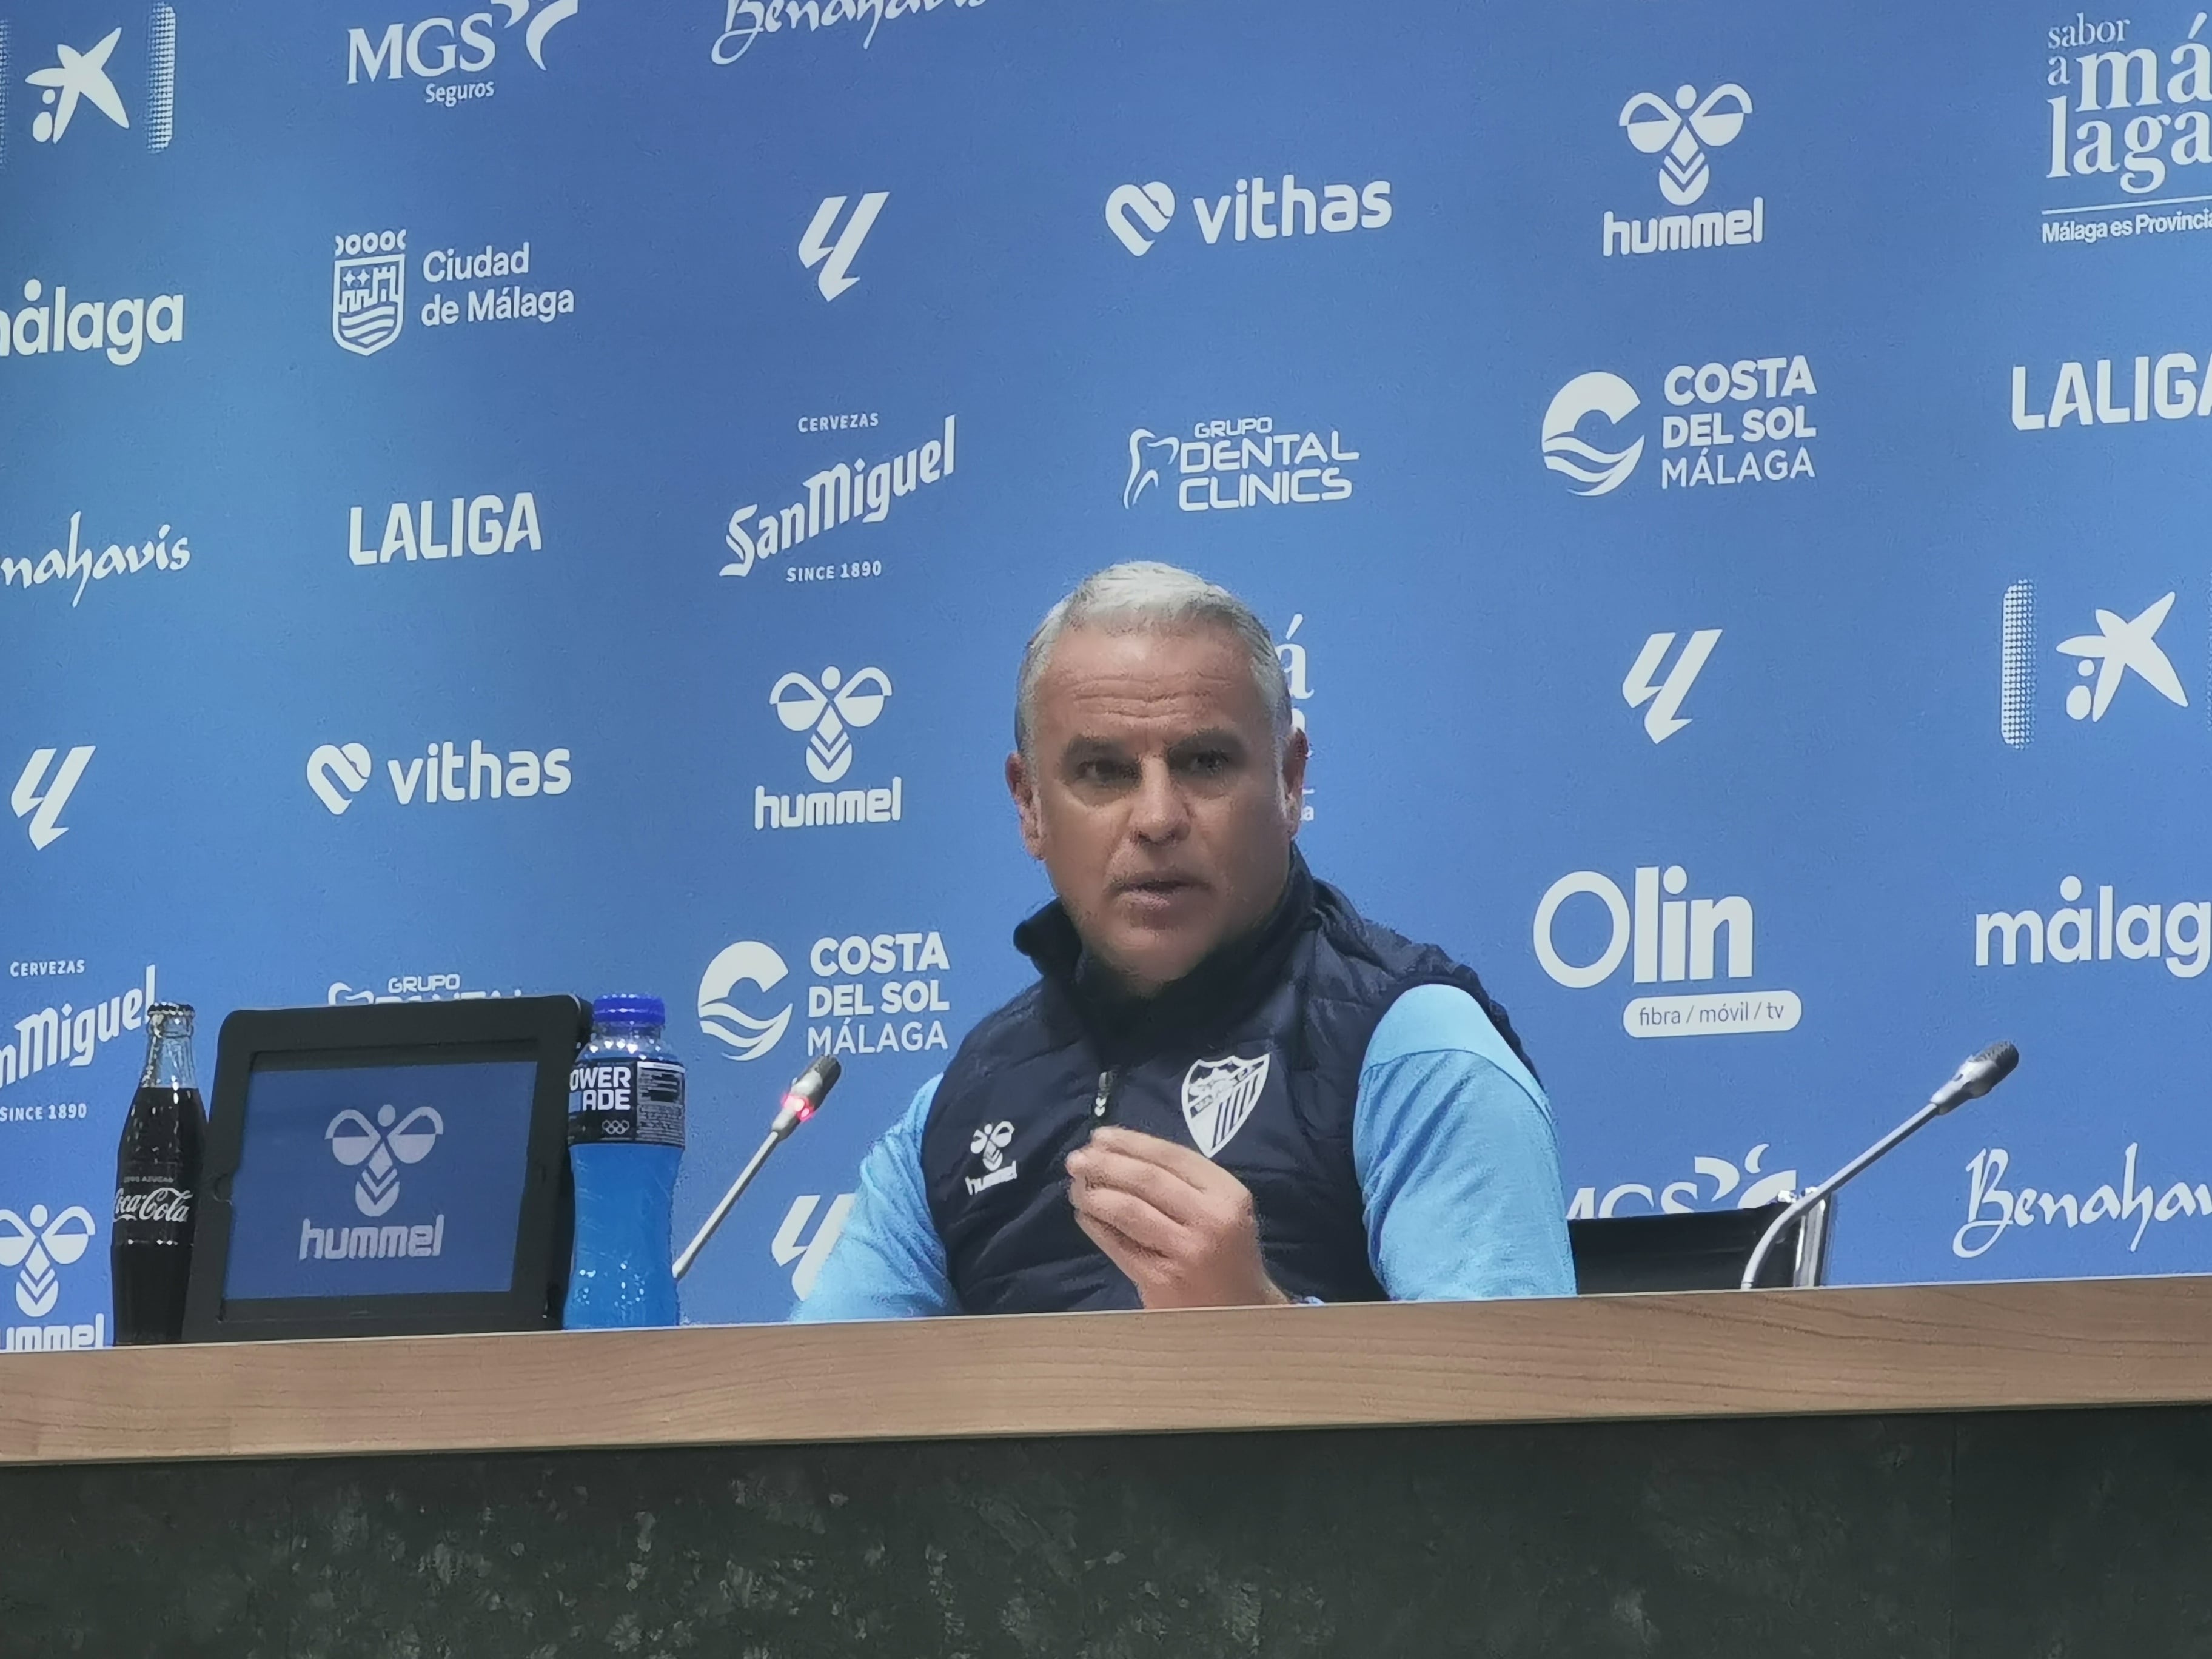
[1218, 1096]
[37, 1247]
[836, 261]
[1594, 471]
[41, 800]
[746, 962]
[368, 291]
[827, 711]
[377, 1150]
[438, 46]
[1661, 720]
[1679, 132]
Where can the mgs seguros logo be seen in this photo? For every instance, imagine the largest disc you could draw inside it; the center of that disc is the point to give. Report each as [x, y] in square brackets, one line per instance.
[453, 56]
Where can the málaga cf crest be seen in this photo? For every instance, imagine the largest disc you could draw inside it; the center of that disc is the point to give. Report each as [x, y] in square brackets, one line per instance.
[1218, 1095]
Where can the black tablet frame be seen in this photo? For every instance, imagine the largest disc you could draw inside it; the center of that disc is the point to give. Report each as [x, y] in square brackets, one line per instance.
[551, 1030]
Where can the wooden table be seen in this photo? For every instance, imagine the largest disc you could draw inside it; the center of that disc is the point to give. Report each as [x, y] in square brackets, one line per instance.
[1842, 1472]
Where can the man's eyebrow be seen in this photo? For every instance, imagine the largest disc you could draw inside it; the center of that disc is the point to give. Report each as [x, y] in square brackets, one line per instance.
[1214, 736]
[1082, 747]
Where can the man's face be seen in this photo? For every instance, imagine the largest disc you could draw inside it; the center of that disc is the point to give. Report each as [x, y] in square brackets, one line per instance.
[1153, 795]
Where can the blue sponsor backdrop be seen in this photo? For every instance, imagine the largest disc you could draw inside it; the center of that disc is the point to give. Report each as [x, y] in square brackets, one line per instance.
[478, 491]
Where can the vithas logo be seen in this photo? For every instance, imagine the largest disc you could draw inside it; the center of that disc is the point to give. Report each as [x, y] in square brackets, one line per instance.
[443, 772]
[836, 259]
[41, 800]
[1137, 214]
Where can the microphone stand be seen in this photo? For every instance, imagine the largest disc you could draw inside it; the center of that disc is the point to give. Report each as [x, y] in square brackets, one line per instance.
[729, 1201]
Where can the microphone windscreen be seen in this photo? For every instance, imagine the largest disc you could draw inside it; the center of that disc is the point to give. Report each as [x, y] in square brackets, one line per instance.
[2001, 1058]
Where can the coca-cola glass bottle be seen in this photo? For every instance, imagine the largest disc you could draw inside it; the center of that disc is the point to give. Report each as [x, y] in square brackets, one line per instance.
[157, 1170]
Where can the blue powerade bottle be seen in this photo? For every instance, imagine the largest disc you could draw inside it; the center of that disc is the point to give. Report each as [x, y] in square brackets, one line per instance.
[625, 1140]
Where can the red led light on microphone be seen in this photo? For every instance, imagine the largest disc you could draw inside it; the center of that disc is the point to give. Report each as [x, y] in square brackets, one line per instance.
[800, 1105]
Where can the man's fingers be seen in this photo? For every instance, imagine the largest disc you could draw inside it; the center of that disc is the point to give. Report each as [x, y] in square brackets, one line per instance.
[1109, 1167]
[1143, 1223]
[1183, 1162]
[1137, 1264]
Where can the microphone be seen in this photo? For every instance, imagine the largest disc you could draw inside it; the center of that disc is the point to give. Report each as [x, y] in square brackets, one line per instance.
[801, 1102]
[1969, 1081]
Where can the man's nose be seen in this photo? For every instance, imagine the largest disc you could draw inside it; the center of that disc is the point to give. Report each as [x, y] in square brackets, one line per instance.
[1160, 814]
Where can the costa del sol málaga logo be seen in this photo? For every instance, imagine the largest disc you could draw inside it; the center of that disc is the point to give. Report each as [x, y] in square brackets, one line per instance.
[377, 1150]
[1594, 472]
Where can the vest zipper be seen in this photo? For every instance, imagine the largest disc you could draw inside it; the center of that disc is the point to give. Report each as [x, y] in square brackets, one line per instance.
[1105, 1093]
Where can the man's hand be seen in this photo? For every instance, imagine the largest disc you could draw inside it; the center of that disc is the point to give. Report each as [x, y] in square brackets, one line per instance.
[1181, 1226]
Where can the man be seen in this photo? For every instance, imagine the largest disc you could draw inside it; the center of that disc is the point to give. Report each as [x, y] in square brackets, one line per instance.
[1226, 1087]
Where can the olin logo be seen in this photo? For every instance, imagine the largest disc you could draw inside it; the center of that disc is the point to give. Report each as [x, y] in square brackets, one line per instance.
[377, 1150]
[1661, 720]
[37, 1248]
[1136, 214]
[827, 711]
[44, 811]
[836, 259]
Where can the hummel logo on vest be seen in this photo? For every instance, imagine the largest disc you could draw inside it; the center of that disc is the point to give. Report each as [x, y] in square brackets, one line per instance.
[1218, 1095]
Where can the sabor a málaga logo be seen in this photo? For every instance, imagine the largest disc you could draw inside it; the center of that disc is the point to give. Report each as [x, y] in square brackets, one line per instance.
[2126, 124]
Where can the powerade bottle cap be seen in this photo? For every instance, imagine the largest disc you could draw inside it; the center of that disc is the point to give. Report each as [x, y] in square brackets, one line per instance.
[632, 1011]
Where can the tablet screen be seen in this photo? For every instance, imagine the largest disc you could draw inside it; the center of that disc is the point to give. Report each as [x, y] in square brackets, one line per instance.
[378, 1175]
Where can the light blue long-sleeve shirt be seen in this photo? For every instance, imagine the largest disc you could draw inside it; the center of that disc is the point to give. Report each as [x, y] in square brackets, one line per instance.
[1451, 1138]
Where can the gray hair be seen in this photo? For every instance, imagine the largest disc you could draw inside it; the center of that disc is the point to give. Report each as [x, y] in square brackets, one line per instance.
[1142, 596]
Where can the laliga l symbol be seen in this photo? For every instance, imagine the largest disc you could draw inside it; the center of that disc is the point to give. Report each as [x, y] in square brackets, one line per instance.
[36, 1248]
[828, 709]
[1653, 126]
[377, 1150]
[1148, 205]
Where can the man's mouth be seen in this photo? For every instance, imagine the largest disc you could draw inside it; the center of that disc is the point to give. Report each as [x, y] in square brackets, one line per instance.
[1158, 887]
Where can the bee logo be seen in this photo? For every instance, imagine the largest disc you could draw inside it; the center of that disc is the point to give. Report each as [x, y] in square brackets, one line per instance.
[1684, 130]
[828, 711]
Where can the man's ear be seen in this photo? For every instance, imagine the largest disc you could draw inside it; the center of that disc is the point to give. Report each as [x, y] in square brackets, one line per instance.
[1023, 787]
[1295, 749]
